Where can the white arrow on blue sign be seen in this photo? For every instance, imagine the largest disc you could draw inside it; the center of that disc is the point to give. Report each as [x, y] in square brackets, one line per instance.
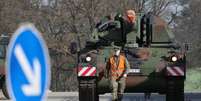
[28, 65]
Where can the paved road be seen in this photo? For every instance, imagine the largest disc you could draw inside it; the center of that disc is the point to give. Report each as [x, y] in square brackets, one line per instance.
[73, 96]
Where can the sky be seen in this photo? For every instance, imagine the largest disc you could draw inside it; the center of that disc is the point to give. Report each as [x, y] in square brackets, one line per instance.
[45, 2]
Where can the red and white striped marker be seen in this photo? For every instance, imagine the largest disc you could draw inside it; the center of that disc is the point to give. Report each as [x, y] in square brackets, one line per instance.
[175, 71]
[86, 71]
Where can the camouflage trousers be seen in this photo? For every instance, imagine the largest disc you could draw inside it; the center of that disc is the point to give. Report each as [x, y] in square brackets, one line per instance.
[118, 87]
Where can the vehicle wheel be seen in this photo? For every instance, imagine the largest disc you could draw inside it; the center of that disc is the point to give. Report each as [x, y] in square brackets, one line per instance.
[4, 90]
[175, 90]
[88, 90]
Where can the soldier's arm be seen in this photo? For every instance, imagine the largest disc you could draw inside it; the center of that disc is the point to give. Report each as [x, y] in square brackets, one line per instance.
[127, 65]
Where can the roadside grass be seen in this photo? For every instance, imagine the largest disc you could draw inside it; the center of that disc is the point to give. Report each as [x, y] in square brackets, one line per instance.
[193, 80]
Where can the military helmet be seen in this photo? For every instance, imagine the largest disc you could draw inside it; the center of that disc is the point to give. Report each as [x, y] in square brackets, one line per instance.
[115, 47]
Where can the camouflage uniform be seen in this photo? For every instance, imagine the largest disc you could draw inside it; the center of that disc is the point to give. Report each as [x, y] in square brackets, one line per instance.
[118, 88]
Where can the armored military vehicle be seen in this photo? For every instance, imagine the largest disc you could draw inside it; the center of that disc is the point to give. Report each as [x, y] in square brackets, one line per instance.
[161, 71]
[4, 40]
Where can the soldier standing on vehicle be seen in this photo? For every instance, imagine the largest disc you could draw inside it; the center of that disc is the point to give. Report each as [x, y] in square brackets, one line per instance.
[127, 21]
[115, 28]
[118, 68]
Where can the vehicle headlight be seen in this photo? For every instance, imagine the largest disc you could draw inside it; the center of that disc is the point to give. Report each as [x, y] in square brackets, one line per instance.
[88, 58]
[174, 58]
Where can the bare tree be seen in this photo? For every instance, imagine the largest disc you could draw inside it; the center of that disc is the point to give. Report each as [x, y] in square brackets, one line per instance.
[188, 29]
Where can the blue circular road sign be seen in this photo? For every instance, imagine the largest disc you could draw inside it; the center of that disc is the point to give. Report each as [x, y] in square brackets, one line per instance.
[28, 65]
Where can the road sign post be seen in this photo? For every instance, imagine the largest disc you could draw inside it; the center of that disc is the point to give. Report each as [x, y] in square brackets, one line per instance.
[28, 65]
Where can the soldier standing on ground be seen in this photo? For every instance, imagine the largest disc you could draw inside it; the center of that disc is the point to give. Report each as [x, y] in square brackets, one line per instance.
[118, 68]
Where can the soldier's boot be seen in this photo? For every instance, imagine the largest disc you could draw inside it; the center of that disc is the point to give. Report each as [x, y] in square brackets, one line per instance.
[147, 96]
[120, 96]
[114, 96]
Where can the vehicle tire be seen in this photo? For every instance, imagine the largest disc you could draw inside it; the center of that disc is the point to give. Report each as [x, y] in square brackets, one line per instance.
[180, 90]
[4, 90]
[88, 90]
[175, 90]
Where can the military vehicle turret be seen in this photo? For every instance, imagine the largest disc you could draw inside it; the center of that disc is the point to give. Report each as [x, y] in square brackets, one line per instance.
[158, 63]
